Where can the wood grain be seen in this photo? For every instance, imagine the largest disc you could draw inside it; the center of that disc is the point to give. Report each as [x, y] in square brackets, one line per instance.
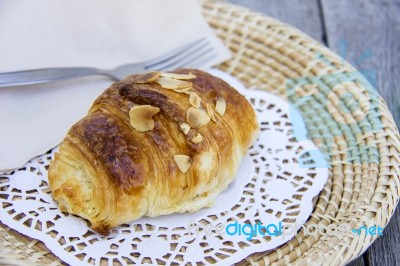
[357, 262]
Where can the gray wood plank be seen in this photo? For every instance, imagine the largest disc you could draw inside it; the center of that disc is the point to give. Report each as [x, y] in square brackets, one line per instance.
[367, 34]
[301, 14]
[357, 262]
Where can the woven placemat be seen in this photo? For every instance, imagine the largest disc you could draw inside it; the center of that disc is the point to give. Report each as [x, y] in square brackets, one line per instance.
[344, 115]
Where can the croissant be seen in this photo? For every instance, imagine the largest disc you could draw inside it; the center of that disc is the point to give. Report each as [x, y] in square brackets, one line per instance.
[152, 144]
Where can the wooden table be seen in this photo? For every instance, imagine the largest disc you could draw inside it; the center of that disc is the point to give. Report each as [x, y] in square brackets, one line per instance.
[367, 34]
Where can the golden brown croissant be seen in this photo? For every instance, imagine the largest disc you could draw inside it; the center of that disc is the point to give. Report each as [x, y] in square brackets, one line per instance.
[153, 144]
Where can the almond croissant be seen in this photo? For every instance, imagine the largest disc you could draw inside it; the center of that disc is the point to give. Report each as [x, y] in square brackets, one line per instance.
[153, 144]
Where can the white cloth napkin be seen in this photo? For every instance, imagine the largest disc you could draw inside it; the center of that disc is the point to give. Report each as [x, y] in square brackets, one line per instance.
[98, 33]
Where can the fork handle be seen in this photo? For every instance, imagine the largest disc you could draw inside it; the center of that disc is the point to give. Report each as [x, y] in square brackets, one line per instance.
[45, 75]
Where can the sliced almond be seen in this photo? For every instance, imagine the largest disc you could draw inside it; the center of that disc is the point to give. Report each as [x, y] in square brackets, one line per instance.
[211, 113]
[187, 92]
[184, 90]
[185, 128]
[172, 84]
[196, 117]
[141, 117]
[195, 100]
[197, 139]
[183, 162]
[178, 76]
[147, 77]
[220, 106]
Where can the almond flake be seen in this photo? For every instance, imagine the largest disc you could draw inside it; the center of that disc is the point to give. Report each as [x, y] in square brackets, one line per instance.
[183, 162]
[196, 117]
[195, 100]
[197, 139]
[185, 128]
[184, 90]
[220, 106]
[168, 83]
[211, 113]
[178, 76]
[141, 117]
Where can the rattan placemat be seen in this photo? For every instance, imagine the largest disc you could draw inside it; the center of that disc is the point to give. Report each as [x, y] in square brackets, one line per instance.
[344, 115]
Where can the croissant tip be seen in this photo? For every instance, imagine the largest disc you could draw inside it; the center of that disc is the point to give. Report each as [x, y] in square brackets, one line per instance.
[101, 228]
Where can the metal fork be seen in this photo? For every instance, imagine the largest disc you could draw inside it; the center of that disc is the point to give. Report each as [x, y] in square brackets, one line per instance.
[190, 55]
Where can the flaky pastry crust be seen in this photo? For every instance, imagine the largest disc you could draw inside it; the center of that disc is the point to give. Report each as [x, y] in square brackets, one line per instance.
[109, 173]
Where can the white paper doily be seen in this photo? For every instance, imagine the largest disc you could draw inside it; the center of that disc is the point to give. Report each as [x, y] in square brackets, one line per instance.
[276, 183]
